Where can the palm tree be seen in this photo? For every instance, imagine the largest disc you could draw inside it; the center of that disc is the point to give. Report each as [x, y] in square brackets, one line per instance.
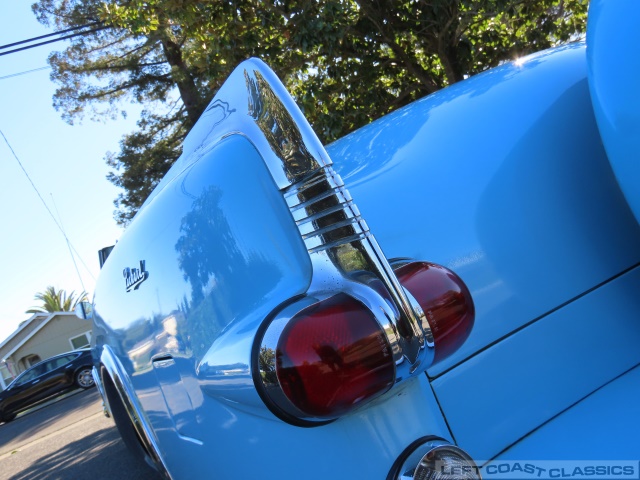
[57, 301]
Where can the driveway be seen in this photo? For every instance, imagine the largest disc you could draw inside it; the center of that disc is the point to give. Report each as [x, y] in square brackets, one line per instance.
[67, 439]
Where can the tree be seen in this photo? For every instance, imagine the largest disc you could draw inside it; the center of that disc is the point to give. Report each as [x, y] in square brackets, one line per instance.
[57, 301]
[373, 56]
[99, 71]
[345, 61]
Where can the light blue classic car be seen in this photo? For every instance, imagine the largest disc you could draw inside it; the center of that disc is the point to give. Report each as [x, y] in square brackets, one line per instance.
[284, 311]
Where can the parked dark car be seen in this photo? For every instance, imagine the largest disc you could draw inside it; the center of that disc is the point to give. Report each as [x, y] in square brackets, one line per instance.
[47, 378]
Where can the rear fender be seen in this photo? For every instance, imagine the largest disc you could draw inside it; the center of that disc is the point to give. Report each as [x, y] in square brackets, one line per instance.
[122, 403]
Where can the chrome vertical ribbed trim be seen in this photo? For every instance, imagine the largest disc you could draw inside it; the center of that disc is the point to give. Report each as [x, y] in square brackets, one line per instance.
[344, 253]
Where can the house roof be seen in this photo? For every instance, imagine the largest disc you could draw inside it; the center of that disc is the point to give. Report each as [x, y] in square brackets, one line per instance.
[31, 333]
[23, 325]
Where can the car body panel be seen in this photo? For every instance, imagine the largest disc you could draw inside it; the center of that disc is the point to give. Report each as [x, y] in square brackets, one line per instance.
[613, 80]
[363, 445]
[55, 380]
[21, 392]
[208, 269]
[537, 373]
[602, 426]
[165, 355]
[203, 236]
[502, 177]
[46, 378]
[522, 205]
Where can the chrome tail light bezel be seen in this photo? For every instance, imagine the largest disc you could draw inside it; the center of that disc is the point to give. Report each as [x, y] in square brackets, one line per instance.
[345, 256]
[267, 339]
[421, 457]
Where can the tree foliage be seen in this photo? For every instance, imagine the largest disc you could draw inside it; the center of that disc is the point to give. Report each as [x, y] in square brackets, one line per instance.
[56, 300]
[345, 61]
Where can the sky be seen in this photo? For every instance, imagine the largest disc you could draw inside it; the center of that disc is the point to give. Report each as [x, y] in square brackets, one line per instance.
[66, 164]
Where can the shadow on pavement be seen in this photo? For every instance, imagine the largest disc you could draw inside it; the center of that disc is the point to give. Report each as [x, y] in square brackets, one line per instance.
[38, 421]
[99, 456]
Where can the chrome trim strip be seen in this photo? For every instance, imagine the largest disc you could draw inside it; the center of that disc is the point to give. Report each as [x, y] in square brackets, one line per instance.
[97, 379]
[409, 470]
[344, 254]
[266, 371]
[302, 170]
[130, 401]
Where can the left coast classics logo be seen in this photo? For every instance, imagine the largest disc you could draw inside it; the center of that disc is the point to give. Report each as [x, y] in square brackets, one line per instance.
[135, 276]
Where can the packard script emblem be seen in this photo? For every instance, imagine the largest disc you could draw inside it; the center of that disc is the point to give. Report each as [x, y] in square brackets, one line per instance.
[135, 276]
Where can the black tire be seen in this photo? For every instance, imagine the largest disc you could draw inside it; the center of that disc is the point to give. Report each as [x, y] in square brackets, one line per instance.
[7, 417]
[123, 423]
[84, 378]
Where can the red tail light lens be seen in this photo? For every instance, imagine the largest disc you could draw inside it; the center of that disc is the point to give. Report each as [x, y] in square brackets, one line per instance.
[332, 357]
[317, 360]
[445, 300]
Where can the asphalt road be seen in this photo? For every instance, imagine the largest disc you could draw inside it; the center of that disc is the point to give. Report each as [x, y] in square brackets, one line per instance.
[67, 439]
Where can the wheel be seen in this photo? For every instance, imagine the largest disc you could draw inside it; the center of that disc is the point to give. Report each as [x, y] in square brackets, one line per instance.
[121, 418]
[7, 417]
[84, 378]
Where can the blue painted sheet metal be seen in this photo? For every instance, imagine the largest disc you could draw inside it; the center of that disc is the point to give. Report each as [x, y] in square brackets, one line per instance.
[214, 256]
[614, 69]
[218, 262]
[502, 178]
[604, 426]
[498, 396]
[238, 444]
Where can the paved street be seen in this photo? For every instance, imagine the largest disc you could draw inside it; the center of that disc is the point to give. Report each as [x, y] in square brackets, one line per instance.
[69, 439]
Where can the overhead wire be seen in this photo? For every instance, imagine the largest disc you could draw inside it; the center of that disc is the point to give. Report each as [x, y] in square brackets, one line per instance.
[73, 259]
[77, 34]
[71, 247]
[48, 35]
[59, 32]
[24, 73]
[75, 29]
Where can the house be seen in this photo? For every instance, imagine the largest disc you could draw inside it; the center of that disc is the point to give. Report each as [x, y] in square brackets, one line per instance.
[40, 337]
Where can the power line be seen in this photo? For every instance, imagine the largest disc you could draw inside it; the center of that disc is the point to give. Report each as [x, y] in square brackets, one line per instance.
[45, 206]
[59, 32]
[73, 259]
[52, 41]
[23, 73]
[72, 248]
